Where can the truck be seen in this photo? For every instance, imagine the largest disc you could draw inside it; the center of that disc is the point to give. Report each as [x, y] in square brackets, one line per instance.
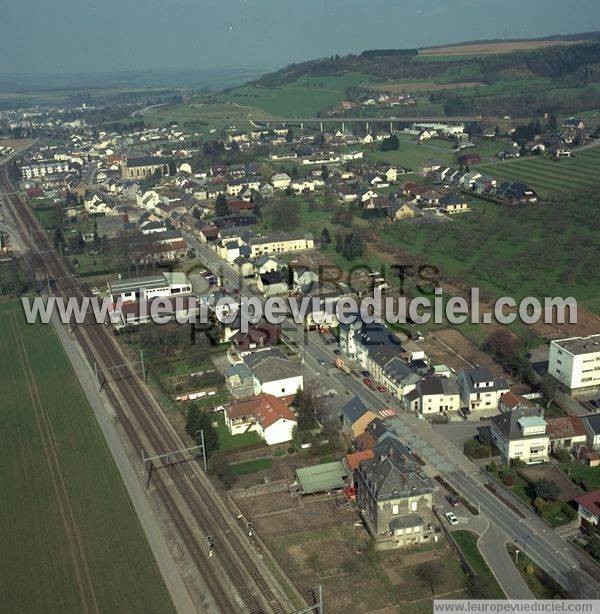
[341, 366]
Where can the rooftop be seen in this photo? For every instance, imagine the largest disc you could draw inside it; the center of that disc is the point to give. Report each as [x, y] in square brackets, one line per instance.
[580, 345]
[320, 478]
[591, 502]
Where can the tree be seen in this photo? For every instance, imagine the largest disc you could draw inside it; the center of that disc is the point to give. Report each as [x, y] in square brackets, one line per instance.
[289, 136]
[309, 407]
[211, 437]
[431, 573]
[284, 214]
[324, 172]
[549, 388]
[390, 144]
[546, 489]
[294, 173]
[257, 211]
[219, 467]
[59, 239]
[221, 206]
[552, 122]
[325, 237]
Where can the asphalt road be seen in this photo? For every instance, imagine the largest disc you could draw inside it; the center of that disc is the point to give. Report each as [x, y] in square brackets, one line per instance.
[550, 551]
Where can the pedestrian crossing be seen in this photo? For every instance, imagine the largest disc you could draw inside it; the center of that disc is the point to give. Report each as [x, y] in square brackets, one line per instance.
[387, 413]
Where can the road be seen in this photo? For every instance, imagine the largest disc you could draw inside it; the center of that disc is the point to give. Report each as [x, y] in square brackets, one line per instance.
[547, 549]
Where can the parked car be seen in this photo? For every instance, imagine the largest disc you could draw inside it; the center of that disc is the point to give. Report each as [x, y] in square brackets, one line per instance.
[368, 382]
[382, 388]
[218, 408]
[451, 518]
[453, 501]
[336, 352]
[322, 362]
[365, 374]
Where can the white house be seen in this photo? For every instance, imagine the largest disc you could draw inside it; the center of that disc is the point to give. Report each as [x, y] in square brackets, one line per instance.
[521, 434]
[436, 395]
[480, 390]
[274, 373]
[281, 181]
[265, 414]
[589, 507]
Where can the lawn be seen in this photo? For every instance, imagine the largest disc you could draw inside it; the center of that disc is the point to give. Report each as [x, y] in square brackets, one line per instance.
[252, 466]
[550, 176]
[68, 528]
[412, 154]
[227, 441]
[467, 542]
[586, 477]
[540, 584]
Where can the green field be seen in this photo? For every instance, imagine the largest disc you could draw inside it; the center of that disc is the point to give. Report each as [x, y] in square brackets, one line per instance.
[69, 536]
[301, 98]
[252, 466]
[551, 176]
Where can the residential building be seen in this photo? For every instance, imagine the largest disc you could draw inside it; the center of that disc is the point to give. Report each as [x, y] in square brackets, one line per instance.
[592, 429]
[565, 432]
[395, 498]
[575, 363]
[480, 390]
[274, 374]
[239, 381]
[511, 400]
[434, 395]
[265, 414]
[355, 416]
[279, 244]
[588, 507]
[521, 434]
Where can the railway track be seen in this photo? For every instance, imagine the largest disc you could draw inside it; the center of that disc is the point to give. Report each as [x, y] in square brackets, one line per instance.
[233, 576]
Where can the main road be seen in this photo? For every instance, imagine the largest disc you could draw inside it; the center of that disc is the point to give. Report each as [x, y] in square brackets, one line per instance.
[563, 561]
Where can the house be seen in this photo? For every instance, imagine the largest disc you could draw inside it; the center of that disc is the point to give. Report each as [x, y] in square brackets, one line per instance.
[395, 498]
[517, 193]
[281, 181]
[479, 389]
[239, 381]
[265, 264]
[521, 434]
[265, 414]
[588, 507]
[573, 123]
[272, 284]
[258, 337]
[453, 203]
[511, 400]
[434, 395]
[355, 416]
[274, 373]
[575, 363]
[400, 211]
[565, 432]
[280, 243]
[592, 429]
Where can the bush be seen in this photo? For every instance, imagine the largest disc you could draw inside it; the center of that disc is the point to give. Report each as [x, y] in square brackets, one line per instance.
[508, 480]
[568, 511]
[291, 450]
[474, 449]
[546, 489]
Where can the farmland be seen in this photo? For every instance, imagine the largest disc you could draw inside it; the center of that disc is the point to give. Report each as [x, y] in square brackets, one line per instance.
[300, 98]
[70, 539]
[492, 48]
[551, 176]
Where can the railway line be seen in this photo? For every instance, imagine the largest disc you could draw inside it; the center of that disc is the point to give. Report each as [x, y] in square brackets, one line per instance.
[234, 576]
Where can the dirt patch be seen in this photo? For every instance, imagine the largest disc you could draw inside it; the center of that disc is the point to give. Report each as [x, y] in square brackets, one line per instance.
[492, 48]
[16, 144]
[550, 472]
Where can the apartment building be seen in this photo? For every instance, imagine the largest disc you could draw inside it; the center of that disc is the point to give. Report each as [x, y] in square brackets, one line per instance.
[575, 363]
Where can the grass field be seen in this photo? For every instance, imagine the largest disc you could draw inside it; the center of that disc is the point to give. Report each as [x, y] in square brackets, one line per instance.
[227, 441]
[69, 536]
[252, 466]
[301, 98]
[549, 176]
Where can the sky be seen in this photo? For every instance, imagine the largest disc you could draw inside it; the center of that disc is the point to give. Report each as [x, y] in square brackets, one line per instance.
[66, 36]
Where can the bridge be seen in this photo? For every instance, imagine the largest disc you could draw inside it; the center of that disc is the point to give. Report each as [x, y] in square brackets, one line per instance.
[391, 121]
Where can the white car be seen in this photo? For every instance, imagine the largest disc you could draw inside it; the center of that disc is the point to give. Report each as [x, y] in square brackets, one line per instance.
[218, 408]
[451, 518]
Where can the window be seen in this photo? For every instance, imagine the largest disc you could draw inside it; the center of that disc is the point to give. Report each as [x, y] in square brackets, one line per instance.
[394, 509]
[417, 529]
[408, 530]
[413, 506]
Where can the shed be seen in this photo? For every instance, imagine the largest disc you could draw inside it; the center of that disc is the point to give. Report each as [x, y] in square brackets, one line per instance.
[321, 478]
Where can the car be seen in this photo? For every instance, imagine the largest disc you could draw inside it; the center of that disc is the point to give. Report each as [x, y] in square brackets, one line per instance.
[453, 501]
[368, 382]
[210, 542]
[336, 352]
[382, 388]
[365, 374]
[451, 518]
[218, 408]
[322, 362]
[236, 291]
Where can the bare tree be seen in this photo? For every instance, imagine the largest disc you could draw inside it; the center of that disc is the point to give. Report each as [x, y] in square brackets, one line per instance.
[431, 573]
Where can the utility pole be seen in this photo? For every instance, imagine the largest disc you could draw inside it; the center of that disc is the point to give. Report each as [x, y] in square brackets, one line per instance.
[203, 450]
[96, 375]
[143, 366]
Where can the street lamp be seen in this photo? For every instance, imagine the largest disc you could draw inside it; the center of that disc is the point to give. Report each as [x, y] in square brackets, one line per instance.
[517, 555]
